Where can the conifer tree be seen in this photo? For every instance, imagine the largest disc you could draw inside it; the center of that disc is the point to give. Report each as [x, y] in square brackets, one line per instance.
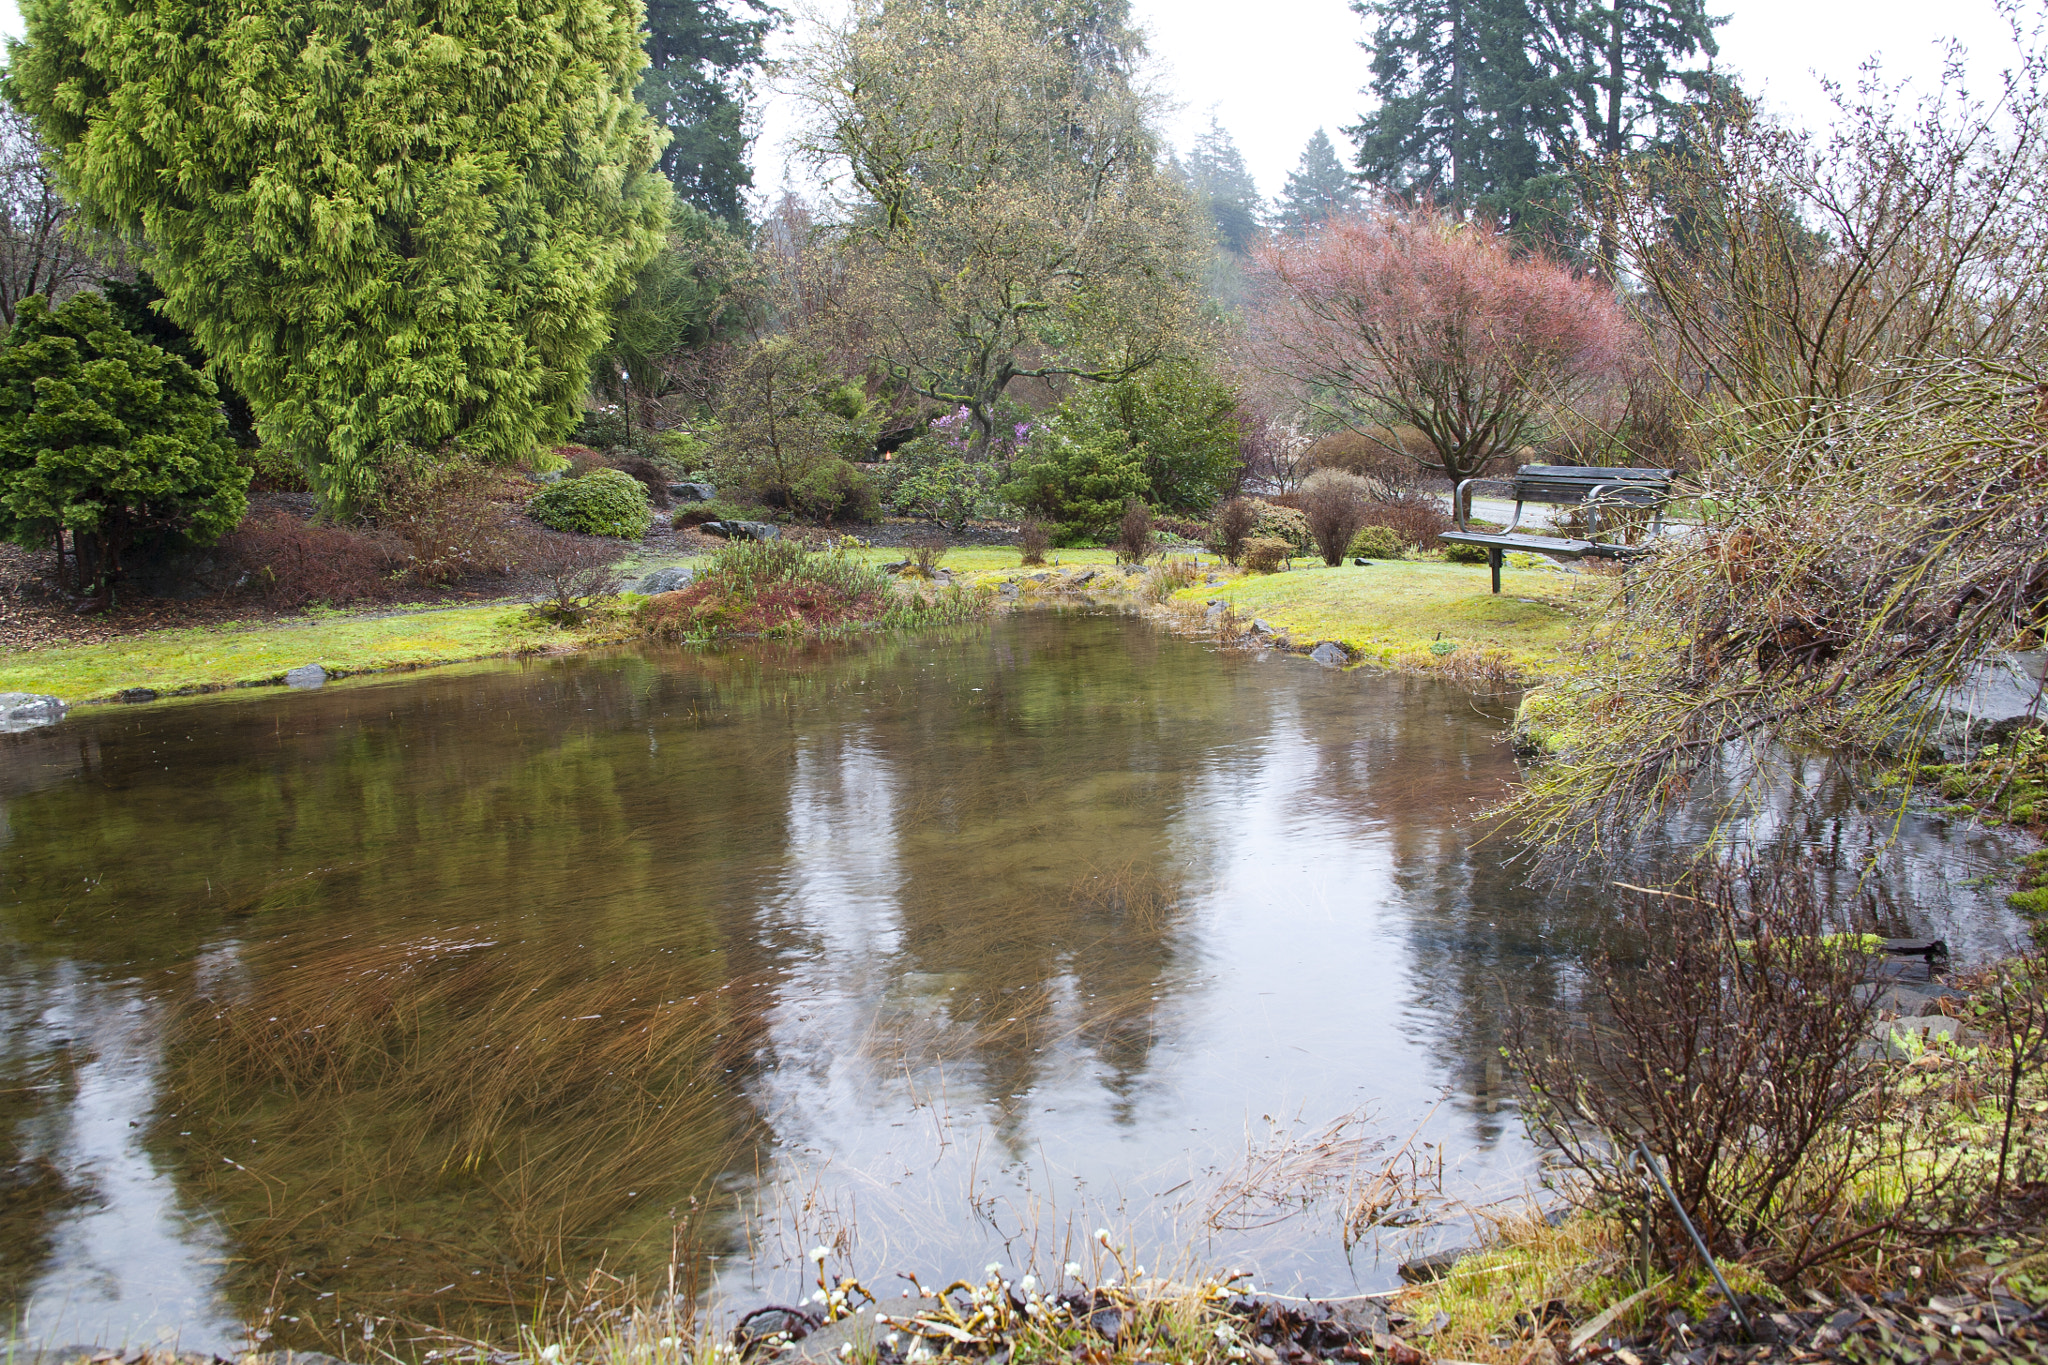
[109, 438]
[399, 222]
[1317, 190]
[1223, 185]
[699, 54]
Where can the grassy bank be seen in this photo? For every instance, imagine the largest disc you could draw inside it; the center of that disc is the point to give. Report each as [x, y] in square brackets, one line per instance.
[1420, 615]
[234, 655]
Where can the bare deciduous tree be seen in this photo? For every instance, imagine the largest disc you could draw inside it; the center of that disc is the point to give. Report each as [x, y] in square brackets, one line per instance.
[43, 249]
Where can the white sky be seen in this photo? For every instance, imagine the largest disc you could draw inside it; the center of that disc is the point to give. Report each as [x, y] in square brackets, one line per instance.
[1276, 70]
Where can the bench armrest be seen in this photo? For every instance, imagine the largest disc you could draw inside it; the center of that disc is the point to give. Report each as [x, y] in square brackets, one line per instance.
[1458, 496]
[1592, 505]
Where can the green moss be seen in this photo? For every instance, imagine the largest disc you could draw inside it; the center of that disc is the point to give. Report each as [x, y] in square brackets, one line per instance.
[213, 658]
[1392, 613]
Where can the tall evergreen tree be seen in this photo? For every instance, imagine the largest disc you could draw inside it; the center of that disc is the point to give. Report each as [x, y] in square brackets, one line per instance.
[390, 223]
[1491, 106]
[1223, 185]
[699, 56]
[1317, 190]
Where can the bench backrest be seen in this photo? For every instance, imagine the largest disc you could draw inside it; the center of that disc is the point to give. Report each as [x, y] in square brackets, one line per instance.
[1566, 484]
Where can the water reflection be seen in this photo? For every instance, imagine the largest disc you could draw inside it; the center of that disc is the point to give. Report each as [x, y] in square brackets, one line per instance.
[424, 994]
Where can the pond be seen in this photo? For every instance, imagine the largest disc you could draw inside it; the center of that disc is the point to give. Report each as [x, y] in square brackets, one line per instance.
[412, 999]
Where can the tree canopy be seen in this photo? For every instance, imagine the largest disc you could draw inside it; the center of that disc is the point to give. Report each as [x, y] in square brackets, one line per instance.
[109, 438]
[699, 56]
[1492, 106]
[1223, 185]
[388, 223]
[1317, 190]
[1005, 217]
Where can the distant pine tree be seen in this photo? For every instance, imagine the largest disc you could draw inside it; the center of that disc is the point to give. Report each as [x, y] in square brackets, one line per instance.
[1317, 190]
[699, 54]
[1223, 184]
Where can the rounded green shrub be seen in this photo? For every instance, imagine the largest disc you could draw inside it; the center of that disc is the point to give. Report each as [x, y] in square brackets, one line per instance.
[604, 502]
[1377, 542]
[1457, 552]
[1282, 523]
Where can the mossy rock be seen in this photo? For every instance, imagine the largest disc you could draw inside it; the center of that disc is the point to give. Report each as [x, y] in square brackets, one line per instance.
[1547, 724]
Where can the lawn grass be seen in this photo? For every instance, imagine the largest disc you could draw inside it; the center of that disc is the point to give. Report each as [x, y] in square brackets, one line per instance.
[209, 658]
[1392, 612]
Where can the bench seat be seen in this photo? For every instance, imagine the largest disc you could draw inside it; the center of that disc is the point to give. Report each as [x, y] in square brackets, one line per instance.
[1588, 486]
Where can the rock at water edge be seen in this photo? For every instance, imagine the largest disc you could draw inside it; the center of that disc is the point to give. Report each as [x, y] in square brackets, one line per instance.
[1330, 652]
[306, 677]
[21, 711]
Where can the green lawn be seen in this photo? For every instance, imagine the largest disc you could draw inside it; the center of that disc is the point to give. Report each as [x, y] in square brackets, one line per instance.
[216, 657]
[1393, 612]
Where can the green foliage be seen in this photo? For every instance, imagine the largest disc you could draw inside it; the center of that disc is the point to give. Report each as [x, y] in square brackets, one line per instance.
[2009, 780]
[786, 411]
[1223, 185]
[837, 490]
[1317, 190]
[1275, 522]
[604, 502]
[1078, 482]
[684, 299]
[698, 55]
[1484, 106]
[1377, 542]
[1181, 423]
[401, 221]
[1457, 552]
[104, 435]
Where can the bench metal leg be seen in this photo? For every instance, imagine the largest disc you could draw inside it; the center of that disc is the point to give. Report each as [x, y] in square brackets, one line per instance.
[1493, 562]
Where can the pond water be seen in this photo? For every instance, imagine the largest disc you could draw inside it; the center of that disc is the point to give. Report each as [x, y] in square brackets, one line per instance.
[412, 999]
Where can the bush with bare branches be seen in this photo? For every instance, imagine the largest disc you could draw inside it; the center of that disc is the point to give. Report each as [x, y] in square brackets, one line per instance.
[1734, 1051]
[1235, 520]
[1335, 504]
[1133, 543]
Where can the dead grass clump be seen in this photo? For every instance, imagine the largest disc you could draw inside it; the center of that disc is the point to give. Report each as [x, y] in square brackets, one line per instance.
[1481, 670]
[1133, 894]
[1169, 576]
[292, 562]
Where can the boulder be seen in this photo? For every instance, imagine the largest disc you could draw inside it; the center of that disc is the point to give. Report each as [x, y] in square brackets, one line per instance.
[551, 476]
[852, 1337]
[1214, 611]
[1434, 1266]
[306, 677]
[138, 694]
[1332, 653]
[1084, 579]
[662, 580]
[692, 492]
[21, 711]
[1009, 591]
[740, 530]
[1991, 702]
[1264, 629]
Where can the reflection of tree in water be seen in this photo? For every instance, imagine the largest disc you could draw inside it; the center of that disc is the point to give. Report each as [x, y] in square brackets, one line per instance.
[1034, 841]
[37, 1079]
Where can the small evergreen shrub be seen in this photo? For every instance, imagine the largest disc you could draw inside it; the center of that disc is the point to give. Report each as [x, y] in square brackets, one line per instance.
[836, 491]
[1378, 542]
[1456, 552]
[1271, 521]
[1266, 554]
[604, 502]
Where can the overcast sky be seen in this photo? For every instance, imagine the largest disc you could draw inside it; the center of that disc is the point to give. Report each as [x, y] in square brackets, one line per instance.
[1273, 71]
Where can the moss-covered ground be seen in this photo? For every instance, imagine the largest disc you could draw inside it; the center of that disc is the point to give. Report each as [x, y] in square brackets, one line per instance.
[1406, 613]
[236, 655]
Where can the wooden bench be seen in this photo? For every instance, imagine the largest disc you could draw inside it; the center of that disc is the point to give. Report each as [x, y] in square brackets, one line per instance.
[1566, 486]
